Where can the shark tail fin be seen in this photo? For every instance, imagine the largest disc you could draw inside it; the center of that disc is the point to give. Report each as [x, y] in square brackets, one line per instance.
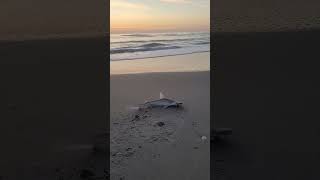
[161, 95]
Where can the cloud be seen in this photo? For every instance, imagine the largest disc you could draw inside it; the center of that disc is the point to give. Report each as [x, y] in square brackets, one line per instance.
[127, 5]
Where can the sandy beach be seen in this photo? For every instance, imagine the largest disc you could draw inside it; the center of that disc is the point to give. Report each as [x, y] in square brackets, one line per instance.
[140, 148]
[192, 62]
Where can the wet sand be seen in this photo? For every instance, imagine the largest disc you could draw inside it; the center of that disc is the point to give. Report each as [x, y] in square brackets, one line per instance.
[143, 149]
[176, 63]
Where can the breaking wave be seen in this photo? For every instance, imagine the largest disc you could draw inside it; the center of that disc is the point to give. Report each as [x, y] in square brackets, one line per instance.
[145, 45]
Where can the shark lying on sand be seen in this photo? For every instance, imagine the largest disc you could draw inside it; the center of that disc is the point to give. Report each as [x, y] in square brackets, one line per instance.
[162, 102]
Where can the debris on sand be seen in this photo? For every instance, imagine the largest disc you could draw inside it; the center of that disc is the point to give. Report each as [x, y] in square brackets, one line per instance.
[160, 124]
[136, 118]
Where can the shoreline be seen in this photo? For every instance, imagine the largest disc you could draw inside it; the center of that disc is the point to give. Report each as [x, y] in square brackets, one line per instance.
[193, 62]
[153, 57]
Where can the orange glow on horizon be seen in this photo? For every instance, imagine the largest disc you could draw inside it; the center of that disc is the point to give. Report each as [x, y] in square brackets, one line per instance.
[151, 16]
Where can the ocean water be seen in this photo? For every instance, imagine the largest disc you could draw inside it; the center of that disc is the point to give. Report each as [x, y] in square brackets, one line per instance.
[148, 45]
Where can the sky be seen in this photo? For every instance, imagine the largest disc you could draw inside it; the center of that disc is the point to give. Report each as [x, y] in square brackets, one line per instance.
[19, 19]
[159, 15]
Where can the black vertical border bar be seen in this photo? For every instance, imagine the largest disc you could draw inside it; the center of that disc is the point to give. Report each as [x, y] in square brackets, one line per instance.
[107, 76]
[212, 87]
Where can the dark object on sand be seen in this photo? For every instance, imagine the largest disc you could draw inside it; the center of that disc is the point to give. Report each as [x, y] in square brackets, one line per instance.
[136, 118]
[162, 102]
[220, 133]
[160, 124]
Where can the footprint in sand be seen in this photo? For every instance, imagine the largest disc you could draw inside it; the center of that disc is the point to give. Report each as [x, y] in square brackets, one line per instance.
[135, 130]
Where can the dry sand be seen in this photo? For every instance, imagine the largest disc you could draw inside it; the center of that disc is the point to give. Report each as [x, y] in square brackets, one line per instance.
[176, 63]
[141, 149]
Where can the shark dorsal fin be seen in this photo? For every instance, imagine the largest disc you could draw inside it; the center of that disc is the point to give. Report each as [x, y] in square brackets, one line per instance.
[161, 95]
